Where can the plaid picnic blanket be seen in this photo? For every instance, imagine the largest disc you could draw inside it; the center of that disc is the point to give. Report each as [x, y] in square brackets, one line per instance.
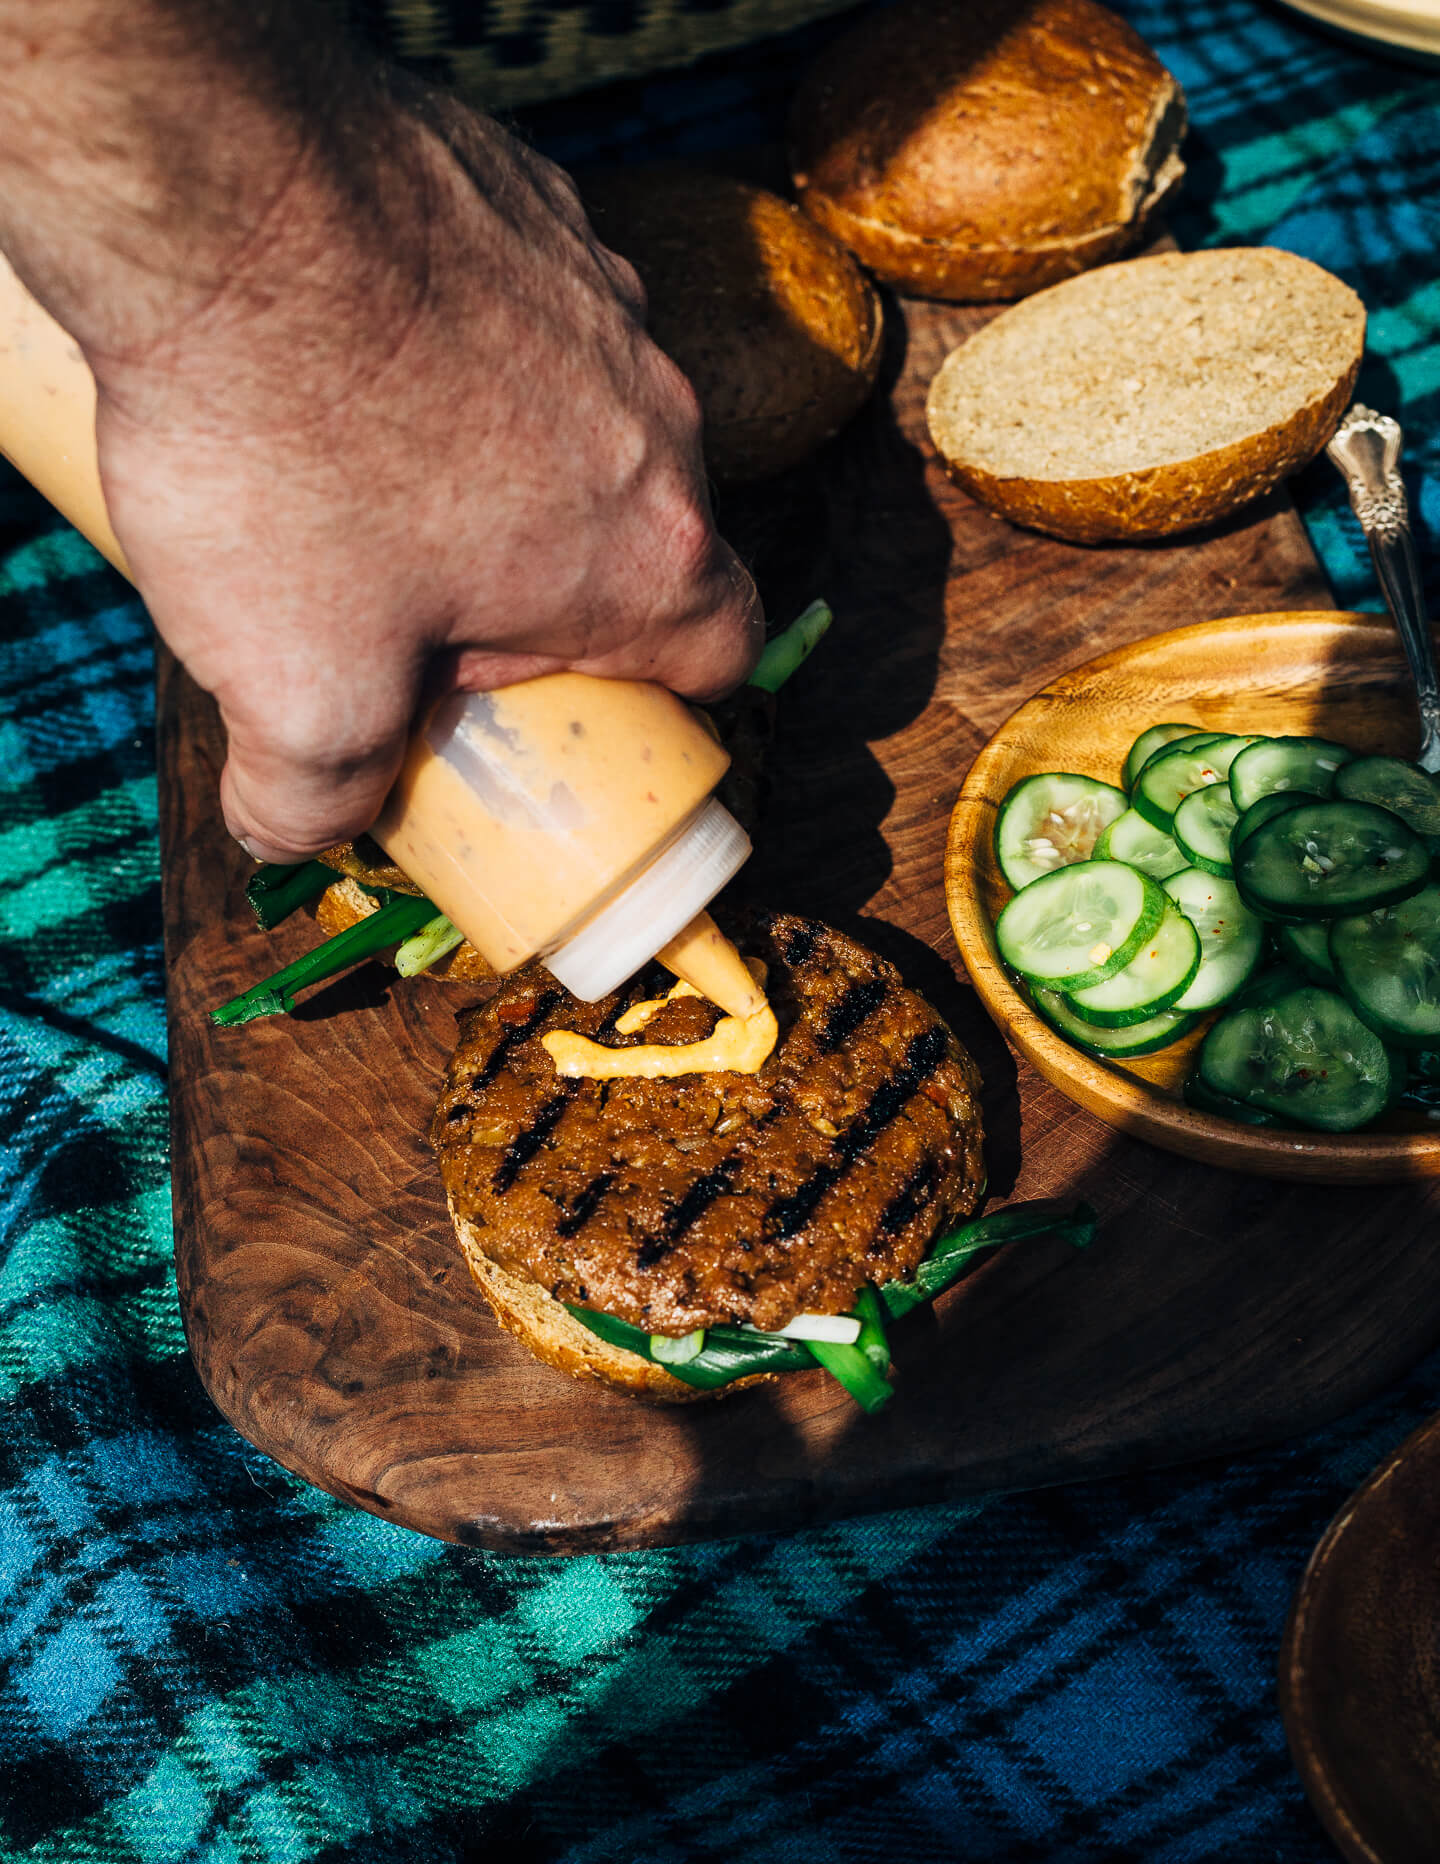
[203, 1659]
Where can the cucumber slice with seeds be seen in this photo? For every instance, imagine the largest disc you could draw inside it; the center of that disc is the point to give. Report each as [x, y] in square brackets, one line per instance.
[1079, 924]
[1203, 825]
[1388, 964]
[1171, 776]
[1159, 974]
[1154, 739]
[1285, 764]
[1327, 860]
[1404, 789]
[1155, 1032]
[1133, 840]
[1232, 939]
[1305, 1057]
[1052, 820]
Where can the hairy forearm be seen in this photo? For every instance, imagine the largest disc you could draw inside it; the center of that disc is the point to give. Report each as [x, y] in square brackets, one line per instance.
[158, 156]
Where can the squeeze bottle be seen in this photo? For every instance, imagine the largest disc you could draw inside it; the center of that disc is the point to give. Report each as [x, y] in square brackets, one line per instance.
[566, 817]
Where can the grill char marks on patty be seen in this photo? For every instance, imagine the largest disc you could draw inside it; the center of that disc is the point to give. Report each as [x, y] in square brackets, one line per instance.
[715, 1198]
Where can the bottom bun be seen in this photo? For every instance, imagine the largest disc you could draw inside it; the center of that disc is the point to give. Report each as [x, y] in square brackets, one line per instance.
[346, 903]
[551, 1332]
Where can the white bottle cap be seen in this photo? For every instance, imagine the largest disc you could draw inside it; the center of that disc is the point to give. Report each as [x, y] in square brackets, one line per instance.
[679, 883]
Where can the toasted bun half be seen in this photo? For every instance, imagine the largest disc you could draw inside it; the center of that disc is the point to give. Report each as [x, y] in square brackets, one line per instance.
[544, 1326]
[346, 903]
[773, 322]
[1152, 396]
[975, 149]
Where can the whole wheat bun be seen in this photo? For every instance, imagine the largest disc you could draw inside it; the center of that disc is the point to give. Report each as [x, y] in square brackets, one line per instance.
[983, 149]
[346, 903]
[547, 1329]
[1152, 396]
[772, 321]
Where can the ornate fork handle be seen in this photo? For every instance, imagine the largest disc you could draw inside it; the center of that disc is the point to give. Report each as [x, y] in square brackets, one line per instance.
[1366, 449]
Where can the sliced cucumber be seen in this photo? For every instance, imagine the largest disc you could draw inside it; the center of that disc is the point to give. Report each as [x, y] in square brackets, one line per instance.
[1285, 764]
[1231, 938]
[1175, 772]
[1204, 1099]
[1305, 1057]
[1202, 828]
[1190, 742]
[1079, 924]
[1307, 947]
[1130, 838]
[1147, 744]
[1276, 803]
[1111, 1044]
[1052, 820]
[1404, 789]
[1388, 964]
[1269, 985]
[1159, 973]
[1323, 860]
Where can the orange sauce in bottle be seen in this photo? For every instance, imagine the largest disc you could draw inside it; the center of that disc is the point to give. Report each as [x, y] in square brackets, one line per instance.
[520, 811]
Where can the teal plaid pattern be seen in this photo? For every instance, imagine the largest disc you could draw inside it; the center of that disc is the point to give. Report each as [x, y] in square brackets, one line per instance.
[202, 1659]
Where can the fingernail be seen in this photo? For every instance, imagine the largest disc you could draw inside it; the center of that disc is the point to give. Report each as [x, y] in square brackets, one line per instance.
[241, 842]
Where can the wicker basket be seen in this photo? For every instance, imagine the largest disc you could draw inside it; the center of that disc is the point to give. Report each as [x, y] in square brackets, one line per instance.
[503, 53]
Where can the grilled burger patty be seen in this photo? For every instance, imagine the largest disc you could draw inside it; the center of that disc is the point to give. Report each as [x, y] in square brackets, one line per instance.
[716, 1197]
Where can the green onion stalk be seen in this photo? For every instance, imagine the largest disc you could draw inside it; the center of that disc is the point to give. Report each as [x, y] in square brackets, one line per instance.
[791, 648]
[275, 891]
[275, 996]
[435, 940]
[730, 1353]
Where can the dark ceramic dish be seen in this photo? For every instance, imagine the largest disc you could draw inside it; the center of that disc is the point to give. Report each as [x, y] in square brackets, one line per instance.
[1360, 1664]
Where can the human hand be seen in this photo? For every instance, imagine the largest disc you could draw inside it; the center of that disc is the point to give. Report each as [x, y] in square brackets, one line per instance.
[405, 448]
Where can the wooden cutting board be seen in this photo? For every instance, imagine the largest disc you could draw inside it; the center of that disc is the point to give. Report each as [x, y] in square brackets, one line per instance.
[329, 1312]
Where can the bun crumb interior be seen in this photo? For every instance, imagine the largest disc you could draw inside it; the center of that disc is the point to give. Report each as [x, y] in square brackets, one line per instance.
[1152, 395]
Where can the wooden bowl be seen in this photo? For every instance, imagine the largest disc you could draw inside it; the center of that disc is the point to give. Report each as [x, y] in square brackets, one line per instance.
[1338, 675]
[1360, 1664]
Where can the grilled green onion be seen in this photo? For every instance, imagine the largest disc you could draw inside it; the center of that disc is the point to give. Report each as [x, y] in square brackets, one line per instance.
[275, 996]
[435, 940]
[853, 1368]
[872, 1341]
[839, 1329]
[277, 889]
[731, 1353]
[951, 1253]
[785, 653]
[669, 1351]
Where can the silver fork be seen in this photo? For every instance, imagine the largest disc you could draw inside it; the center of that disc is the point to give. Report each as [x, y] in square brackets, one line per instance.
[1366, 449]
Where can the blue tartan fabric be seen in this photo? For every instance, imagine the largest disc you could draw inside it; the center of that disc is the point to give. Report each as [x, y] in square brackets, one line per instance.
[203, 1659]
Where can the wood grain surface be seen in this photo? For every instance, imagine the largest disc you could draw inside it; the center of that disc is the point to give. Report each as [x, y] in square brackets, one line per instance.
[1338, 676]
[326, 1303]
